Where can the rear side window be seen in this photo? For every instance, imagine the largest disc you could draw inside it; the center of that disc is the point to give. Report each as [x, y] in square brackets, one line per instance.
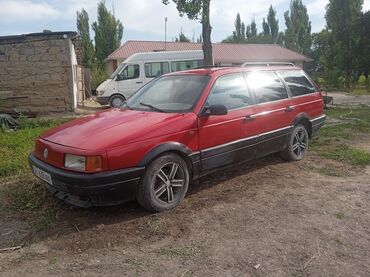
[231, 91]
[267, 86]
[297, 82]
[156, 69]
[185, 65]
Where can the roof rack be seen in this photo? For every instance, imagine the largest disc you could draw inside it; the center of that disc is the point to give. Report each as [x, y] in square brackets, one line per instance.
[268, 64]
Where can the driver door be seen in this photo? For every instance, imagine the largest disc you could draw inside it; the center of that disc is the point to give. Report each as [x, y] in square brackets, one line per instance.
[130, 79]
[230, 138]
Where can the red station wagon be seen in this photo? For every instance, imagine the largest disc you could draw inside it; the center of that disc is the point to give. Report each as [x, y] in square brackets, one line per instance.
[177, 128]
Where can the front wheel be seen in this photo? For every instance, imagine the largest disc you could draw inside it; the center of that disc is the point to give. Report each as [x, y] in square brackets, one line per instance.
[297, 144]
[165, 183]
[116, 101]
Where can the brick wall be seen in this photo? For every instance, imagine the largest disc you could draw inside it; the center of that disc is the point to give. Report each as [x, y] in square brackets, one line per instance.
[36, 76]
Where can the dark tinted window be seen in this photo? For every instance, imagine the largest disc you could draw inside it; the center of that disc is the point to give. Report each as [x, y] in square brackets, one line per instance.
[297, 82]
[231, 91]
[267, 86]
[185, 65]
[156, 69]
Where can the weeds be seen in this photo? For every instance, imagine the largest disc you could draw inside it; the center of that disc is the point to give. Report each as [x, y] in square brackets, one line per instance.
[183, 251]
[331, 171]
[339, 215]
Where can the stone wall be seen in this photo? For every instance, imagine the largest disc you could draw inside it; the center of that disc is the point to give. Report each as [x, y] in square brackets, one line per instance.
[36, 76]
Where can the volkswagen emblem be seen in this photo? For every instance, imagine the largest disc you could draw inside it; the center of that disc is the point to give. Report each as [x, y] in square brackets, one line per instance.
[46, 153]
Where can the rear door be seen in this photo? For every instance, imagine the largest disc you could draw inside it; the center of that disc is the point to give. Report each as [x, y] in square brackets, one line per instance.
[228, 138]
[274, 115]
[306, 98]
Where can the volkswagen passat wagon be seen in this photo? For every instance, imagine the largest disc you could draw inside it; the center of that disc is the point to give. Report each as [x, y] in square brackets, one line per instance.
[175, 129]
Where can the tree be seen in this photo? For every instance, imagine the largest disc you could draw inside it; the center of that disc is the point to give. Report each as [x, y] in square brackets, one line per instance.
[182, 38]
[342, 20]
[198, 9]
[273, 24]
[239, 33]
[83, 30]
[253, 28]
[364, 49]
[108, 33]
[266, 28]
[298, 32]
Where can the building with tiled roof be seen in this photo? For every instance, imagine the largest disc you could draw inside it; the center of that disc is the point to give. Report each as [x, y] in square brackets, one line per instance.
[223, 53]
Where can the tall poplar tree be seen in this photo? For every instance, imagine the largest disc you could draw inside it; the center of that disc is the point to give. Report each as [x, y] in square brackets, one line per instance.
[298, 32]
[108, 33]
[273, 24]
[83, 30]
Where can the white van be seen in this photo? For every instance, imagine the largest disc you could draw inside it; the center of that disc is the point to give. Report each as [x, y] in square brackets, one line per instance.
[141, 68]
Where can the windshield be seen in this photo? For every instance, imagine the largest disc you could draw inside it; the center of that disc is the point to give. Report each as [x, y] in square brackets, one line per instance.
[117, 71]
[177, 93]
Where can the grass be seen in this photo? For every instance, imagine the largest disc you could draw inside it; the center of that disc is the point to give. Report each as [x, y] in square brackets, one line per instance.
[331, 171]
[335, 138]
[22, 194]
[156, 225]
[15, 146]
[339, 215]
[186, 252]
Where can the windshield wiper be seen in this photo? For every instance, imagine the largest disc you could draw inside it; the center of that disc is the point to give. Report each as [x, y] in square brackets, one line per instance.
[152, 107]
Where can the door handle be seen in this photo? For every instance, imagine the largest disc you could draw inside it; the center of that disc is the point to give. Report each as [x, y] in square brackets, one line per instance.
[139, 82]
[250, 117]
[289, 109]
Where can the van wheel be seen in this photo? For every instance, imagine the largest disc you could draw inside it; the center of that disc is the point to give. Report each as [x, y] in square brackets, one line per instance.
[164, 184]
[116, 101]
[297, 144]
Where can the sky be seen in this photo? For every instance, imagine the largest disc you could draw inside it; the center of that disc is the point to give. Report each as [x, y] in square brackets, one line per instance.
[144, 19]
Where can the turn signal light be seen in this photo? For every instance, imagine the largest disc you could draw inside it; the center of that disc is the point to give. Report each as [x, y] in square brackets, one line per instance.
[93, 164]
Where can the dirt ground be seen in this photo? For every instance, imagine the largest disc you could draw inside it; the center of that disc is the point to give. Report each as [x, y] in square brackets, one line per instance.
[269, 218]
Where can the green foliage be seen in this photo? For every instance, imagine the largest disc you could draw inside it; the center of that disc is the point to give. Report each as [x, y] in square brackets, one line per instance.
[342, 19]
[15, 146]
[298, 32]
[273, 24]
[347, 154]
[99, 74]
[108, 33]
[239, 33]
[83, 30]
[198, 9]
[265, 28]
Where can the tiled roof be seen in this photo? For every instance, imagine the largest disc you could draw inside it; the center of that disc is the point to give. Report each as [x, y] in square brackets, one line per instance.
[222, 52]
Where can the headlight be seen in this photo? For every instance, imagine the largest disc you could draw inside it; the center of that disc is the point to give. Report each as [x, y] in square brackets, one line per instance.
[82, 163]
[101, 92]
[74, 162]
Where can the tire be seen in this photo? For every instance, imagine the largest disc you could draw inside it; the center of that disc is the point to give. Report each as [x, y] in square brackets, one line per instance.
[165, 183]
[116, 101]
[297, 144]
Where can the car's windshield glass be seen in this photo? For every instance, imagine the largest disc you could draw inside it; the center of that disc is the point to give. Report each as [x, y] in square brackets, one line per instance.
[178, 93]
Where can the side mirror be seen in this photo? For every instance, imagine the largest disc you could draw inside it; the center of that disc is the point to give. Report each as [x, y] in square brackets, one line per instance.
[215, 110]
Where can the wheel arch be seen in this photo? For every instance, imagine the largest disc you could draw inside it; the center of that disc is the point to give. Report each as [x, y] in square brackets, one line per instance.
[169, 147]
[304, 119]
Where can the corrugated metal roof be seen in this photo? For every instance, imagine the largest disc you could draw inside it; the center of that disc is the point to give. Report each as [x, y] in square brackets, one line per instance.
[222, 52]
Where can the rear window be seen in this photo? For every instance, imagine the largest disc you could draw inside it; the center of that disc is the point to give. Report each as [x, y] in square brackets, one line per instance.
[297, 82]
[267, 86]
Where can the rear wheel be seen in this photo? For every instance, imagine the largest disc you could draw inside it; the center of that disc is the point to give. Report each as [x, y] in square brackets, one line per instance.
[116, 101]
[297, 144]
[165, 183]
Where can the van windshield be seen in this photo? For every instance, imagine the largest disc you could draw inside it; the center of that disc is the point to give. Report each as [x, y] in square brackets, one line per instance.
[178, 93]
[117, 71]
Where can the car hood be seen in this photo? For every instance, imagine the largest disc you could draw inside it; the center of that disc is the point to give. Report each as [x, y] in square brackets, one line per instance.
[116, 127]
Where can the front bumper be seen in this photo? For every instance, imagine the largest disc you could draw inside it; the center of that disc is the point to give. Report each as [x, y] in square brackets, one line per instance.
[97, 189]
[102, 100]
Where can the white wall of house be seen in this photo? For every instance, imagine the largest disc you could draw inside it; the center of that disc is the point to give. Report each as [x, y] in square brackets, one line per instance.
[74, 73]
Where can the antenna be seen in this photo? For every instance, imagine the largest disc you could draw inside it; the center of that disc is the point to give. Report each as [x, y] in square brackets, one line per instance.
[165, 33]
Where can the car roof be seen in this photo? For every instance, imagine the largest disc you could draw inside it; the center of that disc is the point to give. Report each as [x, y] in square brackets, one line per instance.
[217, 71]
